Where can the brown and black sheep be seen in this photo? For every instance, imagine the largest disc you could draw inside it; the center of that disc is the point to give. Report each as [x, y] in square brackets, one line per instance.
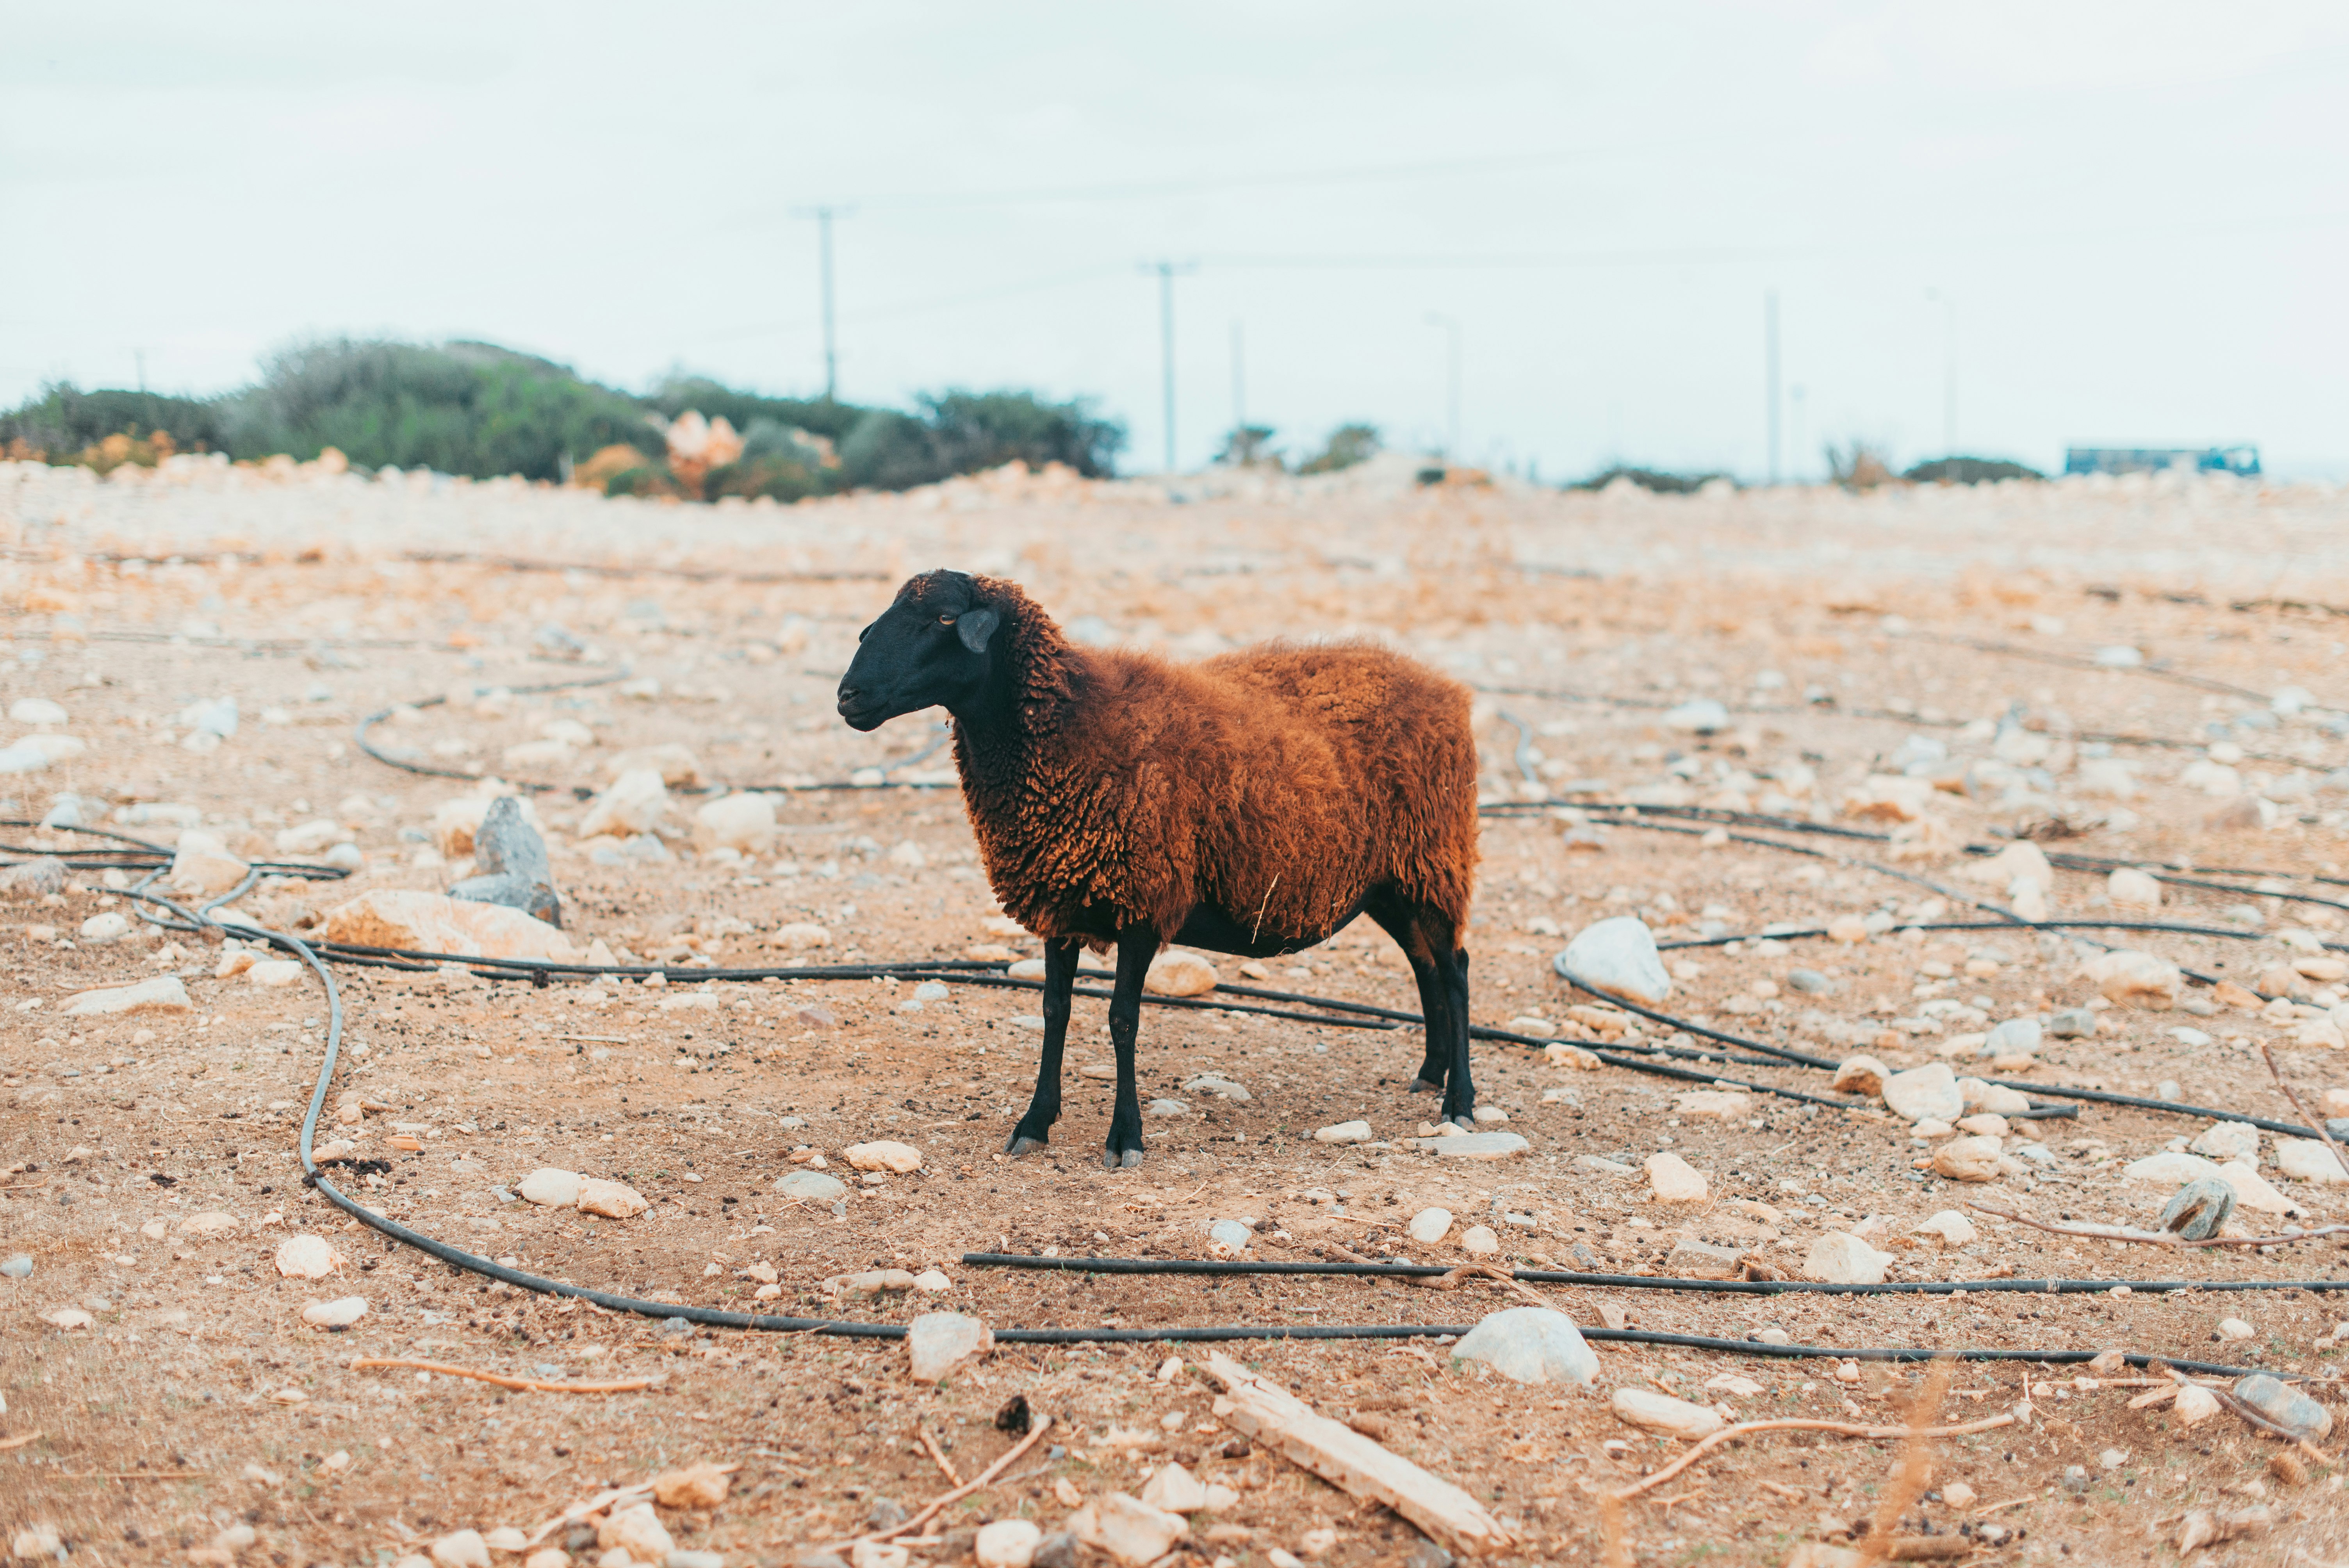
[1252, 803]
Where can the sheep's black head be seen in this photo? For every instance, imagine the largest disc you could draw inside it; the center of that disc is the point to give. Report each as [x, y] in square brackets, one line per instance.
[930, 649]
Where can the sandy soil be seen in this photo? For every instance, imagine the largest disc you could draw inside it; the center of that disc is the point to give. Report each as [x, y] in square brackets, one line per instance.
[1837, 629]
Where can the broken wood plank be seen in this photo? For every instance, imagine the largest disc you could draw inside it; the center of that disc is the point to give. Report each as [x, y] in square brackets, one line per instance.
[1267, 1413]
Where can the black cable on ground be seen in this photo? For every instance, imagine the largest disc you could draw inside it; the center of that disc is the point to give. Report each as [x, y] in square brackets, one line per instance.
[1217, 1266]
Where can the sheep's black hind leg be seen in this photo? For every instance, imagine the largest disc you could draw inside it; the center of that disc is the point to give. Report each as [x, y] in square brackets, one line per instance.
[1460, 1094]
[1136, 946]
[1035, 1128]
[1394, 915]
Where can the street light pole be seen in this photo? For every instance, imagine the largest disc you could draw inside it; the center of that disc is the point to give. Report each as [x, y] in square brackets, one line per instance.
[1452, 384]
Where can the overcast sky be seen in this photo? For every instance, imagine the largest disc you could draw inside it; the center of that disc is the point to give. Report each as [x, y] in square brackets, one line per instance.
[2128, 222]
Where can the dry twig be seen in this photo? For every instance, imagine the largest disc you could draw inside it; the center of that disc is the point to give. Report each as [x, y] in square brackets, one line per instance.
[527, 1384]
[1840, 1429]
[2316, 1121]
[2156, 1238]
[938, 1455]
[1916, 1461]
[984, 1479]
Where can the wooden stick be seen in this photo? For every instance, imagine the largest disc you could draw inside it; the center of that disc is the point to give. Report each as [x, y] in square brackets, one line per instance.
[936, 1453]
[1261, 1410]
[1840, 1429]
[2158, 1238]
[2316, 1121]
[985, 1478]
[20, 1439]
[527, 1384]
[1916, 1461]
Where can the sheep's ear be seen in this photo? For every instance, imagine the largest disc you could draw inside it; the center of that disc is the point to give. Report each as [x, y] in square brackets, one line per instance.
[976, 627]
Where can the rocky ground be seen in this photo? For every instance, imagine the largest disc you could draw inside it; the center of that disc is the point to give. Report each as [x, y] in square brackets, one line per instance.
[2141, 672]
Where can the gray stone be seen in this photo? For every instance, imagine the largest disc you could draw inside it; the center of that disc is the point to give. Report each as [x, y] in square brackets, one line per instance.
[33, 879]
[1475, 1145]
[814, 1185]
[1167, 1108]
[685, 1557]
[2072, 1024]
[17, 1265]
[1616, 957]
[2286, 1406]
[510, 865]
[2015, 1037]
[1810, 982]
[1929, 1092]
[1426, 1553]
[1703, 715]
[1215, 1085]
[1529, 1344]
[1058, 1550]
[2198, 1209]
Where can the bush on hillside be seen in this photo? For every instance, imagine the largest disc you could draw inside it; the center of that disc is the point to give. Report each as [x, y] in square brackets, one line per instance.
[776, 460]
[1968, 472]
[1347, 444]
[715, 399]
[460, 408]
[968, 432]
[1660, 481]
[67, 424]
[1247, 447]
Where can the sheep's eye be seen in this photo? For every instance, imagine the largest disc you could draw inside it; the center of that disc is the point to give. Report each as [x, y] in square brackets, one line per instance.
[945, 620]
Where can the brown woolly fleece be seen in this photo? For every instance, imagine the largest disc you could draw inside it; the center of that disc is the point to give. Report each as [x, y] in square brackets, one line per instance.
[1278, 785]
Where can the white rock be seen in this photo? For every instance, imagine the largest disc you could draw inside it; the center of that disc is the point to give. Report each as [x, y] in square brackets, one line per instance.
[1429, 1225]
[212, 1223]
[1702, 715]
[938, 1342]
[1175, 972]
[2014, 1038]
[1722, 1105]
[676, 764]
[68, 1319]
[2236, 1328]
[108, 926]
[276, 972]
[800, 935]
[1219, 1087]
[2133, 889]
[2194, 1403]
[163, 994]
[2135, 979]
[309, 838]
[637, 802]
[2306, 1160]
[35, 710]
[1840, 1257]
[1475, 1145]
[505, 1538]
[612, 1199]
[1127, 1528]
[1861, 1075]
[1930, 1090]
[1674, 1180]
[1479, 1241]
[1949, 1229]
[930, 1282]
[2225, 1141]
[1006, 1543]
[1996, 1099]
[639, 1531]
[1344, 1132]
[1488, 1116]
[2020, 861]
[814, 1185]
[462, 1549]
[883, 1154]
[338, 1314]
[1653, 1412]
[2252, 1192]
[744, 821]
[1175, 1490]
[424, 922]
[1974, 1159]
[550, 1189]
[1529, 1344]
[307, 1257]
[203, 871]
[1231, 1235]
[1618, 957]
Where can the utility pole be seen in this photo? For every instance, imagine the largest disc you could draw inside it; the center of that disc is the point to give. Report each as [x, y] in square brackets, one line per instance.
[1949, 371]
[1168, 270]
[1798, 392]
[1770, 353]
[1239, 375]
[140, 355]
[1451, 386]
[823, 215]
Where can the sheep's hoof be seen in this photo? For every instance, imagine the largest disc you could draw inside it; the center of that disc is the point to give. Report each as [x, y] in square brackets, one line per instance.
[1111, 1159]
[1421, 1085]
[1020, 1145]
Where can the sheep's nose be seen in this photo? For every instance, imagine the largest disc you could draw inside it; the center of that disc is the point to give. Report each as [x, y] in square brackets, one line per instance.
[848, 692]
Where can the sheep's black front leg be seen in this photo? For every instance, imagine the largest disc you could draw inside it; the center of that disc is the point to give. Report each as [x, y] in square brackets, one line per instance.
[1035, 1128]
[1136, 946]
[1459, 1093]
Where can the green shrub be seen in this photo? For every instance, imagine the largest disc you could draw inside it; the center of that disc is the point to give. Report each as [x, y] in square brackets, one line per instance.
[1246, 446]
[743, 410]
[1660, 481]
[1347, 444]
[64, 420]
[1968, 472]
[972, 431]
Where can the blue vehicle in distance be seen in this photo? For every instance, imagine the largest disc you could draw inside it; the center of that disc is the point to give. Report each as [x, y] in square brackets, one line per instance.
[2241, 461]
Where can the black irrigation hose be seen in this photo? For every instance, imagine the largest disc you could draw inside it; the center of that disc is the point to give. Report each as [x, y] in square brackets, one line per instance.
[2074, 661]
[1641, 1282]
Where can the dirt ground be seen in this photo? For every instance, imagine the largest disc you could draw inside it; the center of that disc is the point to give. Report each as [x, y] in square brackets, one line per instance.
[1848, 638]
